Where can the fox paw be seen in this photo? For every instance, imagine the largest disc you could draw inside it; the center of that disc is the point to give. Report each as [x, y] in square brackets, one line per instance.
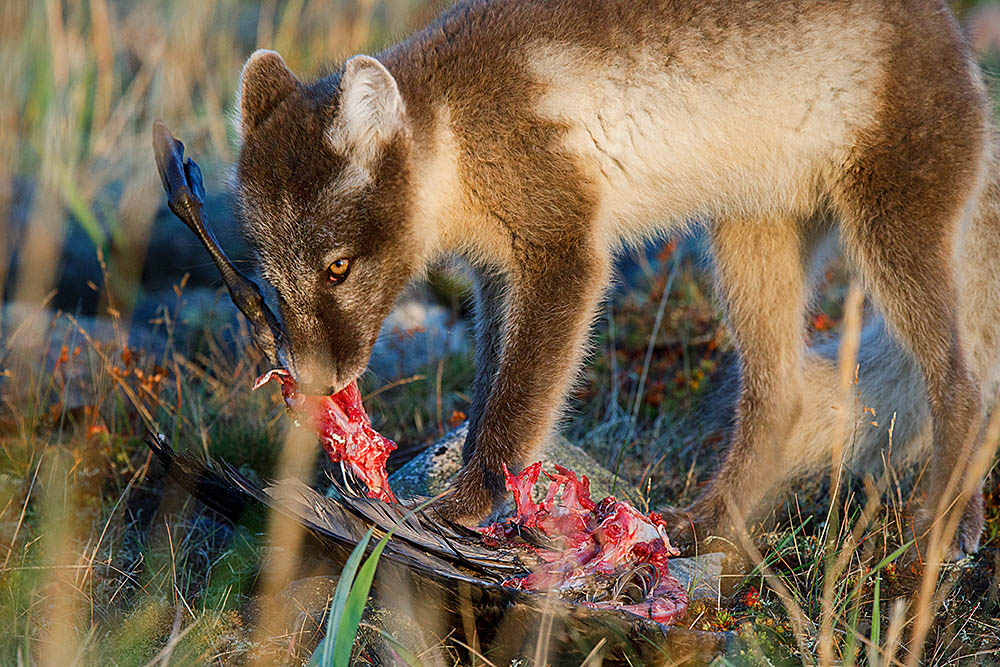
[970, 529]
[471, 499]
[702, 527]
[965, 542]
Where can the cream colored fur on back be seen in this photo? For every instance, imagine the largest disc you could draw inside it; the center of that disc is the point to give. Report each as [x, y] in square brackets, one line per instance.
[666, 143]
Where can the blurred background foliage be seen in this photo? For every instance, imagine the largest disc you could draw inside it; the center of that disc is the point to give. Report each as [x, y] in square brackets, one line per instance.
[82, 81]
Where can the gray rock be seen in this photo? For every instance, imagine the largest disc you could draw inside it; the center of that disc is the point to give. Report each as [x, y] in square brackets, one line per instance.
[310, 595]
[174, 251]
[430, 472]
[36, 335]
[700, 575]
[416, 334]
[170, 249]
[197, 310]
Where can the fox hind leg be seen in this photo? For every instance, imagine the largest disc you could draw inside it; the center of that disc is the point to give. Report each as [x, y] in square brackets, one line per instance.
[901, 204]
[762, 268]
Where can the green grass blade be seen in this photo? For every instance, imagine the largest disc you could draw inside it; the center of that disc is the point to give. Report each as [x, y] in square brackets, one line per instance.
[876, 616]
[891, 557]
[355, 607]
[347, 631]
[83, 213]
[874, 571]
[323, 655]
[851, 643]
[776, 553]
[350, 598]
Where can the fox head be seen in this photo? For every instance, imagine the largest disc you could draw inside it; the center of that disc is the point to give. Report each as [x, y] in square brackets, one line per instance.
[322, 185]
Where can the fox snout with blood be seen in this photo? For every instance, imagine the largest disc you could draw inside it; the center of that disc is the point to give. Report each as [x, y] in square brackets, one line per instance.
[536, 139]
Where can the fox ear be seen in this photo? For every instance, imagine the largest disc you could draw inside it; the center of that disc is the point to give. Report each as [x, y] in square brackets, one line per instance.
[371, 110]
[264, 83]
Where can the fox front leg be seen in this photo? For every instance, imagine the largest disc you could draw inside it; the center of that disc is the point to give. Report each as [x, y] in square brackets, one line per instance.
[550, 302]
[491, 317]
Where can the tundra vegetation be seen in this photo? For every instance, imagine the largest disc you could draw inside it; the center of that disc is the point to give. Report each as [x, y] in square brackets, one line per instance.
[103, 561]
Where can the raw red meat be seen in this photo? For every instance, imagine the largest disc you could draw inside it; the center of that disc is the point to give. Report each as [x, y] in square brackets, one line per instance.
[344, 429]
[595, 546]
[595, 541]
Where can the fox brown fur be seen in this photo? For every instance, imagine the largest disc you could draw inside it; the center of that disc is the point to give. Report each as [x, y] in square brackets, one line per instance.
[535, 138]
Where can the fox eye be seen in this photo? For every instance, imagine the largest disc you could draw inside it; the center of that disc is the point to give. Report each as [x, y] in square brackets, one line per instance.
[338, 270]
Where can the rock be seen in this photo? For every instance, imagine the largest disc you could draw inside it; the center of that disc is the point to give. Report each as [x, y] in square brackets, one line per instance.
[396, 618]
[415, 335]
[430, 472]
[636, 267]
[171, 251]
[310, 595]
[199, 309]
[295, 617]
[701, 575]
[37, 335]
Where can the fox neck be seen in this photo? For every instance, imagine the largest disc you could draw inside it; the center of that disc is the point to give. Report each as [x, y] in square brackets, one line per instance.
[446, 218]
[436, 193]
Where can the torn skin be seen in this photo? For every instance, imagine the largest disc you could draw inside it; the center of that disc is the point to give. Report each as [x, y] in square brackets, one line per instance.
[344, 429]
[596, 542]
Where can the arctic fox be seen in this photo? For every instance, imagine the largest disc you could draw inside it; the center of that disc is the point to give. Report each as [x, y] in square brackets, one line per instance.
[535, 138]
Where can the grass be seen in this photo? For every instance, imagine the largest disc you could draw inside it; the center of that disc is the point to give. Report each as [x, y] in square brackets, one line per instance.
[102, 561]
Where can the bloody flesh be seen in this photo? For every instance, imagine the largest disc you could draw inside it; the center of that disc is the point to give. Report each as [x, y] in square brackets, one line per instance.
[344, 429]
[610, 541]
[594, 546]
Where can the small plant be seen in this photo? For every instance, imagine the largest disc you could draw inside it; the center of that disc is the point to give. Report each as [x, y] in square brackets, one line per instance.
[348, 604]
